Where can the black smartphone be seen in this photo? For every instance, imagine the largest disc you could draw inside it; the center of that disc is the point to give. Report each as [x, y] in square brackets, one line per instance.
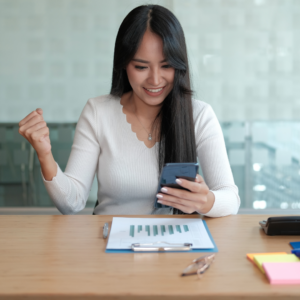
[171, 172]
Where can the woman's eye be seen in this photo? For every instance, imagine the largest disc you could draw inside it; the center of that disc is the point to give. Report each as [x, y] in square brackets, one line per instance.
[140, 67]
[166, 66]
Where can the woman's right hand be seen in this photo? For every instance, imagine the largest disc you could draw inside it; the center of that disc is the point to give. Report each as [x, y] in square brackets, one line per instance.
[35, 130]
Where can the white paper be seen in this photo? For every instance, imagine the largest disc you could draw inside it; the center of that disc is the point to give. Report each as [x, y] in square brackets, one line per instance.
[192, 231]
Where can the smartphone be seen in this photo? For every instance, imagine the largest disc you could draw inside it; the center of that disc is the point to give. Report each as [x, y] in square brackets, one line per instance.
[171, 172]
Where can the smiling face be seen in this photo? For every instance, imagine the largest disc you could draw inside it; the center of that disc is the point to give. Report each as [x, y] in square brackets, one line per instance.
[149, 74]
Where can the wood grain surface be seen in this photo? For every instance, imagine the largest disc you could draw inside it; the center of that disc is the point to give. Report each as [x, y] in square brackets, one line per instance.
[63, 257]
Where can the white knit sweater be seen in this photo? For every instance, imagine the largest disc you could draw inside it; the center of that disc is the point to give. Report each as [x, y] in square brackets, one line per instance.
[127, 170]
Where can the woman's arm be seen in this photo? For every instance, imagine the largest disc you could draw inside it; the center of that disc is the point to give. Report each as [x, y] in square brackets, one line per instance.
[212, 154]
[69, 190]
[218, 195]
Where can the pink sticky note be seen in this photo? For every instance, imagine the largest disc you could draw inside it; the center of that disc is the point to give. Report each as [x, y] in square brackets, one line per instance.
[283, 272]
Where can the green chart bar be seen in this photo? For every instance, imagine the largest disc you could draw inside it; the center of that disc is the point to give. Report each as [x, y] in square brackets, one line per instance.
[170, 229]
[163, 229]
[178, 228]
[186, 228]
[147, 228]
[140, 228]
[132, 230]
[155, 230]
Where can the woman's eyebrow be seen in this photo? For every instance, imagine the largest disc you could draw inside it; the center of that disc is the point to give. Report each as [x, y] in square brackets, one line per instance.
[145, 61]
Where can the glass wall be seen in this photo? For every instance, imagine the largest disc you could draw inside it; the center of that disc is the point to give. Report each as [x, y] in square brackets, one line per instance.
[55, 54]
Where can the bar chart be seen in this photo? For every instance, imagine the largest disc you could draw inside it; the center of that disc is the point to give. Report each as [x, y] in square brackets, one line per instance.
[154, 229]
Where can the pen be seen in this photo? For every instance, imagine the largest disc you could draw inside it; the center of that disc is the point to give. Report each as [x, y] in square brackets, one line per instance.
[105, 230]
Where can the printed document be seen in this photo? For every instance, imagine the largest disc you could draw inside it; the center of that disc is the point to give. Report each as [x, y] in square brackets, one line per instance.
[126, 231]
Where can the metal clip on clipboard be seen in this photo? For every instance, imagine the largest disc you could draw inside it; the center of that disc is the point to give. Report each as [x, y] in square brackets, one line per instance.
[137, 247]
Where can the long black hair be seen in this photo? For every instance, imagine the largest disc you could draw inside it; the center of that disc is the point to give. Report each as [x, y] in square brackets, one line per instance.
[177, 136]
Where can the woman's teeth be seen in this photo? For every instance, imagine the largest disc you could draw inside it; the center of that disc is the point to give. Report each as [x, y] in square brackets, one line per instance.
[154, 91]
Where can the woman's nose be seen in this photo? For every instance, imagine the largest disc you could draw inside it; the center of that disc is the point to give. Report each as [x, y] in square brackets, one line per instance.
[154, 77]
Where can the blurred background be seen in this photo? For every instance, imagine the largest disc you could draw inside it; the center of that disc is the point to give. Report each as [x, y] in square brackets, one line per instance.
[244, 59]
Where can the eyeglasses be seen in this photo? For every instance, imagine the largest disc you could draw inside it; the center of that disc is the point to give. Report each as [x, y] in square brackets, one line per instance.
[199, 265]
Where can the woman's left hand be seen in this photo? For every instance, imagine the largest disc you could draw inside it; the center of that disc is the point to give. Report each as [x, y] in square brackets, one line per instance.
[198, 197]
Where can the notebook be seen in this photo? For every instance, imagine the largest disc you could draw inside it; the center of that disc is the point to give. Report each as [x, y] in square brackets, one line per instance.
[260, 259]
[283, 273]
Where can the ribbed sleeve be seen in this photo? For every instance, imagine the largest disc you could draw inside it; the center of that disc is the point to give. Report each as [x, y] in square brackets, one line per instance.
[214, 162]
[70, 190]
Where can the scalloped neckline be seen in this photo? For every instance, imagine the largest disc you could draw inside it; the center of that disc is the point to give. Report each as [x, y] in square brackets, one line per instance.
[122, 111]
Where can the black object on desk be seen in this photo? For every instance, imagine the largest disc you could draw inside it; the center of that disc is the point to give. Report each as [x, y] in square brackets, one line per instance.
[287, 225]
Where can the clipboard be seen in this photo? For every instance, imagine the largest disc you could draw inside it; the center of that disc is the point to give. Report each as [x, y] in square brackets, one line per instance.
[170, 250]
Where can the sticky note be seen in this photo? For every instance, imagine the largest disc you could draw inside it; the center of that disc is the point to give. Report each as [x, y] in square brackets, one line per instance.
[260, 259]
[283, 273]
[251, 255]
[295, 245]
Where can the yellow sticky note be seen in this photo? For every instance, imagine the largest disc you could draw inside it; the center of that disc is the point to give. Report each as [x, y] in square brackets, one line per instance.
[260, 259]
[251, 255]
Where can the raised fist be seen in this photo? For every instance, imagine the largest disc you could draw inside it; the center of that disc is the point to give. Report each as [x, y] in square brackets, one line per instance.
[35, 130]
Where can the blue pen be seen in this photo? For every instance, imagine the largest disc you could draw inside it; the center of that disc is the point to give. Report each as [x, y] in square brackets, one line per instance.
[296, 252]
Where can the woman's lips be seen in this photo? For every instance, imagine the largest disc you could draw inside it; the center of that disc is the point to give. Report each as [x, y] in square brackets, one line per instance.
[154, 92]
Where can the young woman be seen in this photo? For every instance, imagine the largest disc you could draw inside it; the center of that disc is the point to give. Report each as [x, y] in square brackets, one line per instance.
[148, 119]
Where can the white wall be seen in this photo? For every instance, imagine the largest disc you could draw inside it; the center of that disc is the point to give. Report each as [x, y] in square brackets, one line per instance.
[56, 54]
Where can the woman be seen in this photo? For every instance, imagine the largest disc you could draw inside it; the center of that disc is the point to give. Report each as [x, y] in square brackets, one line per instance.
[148, 119]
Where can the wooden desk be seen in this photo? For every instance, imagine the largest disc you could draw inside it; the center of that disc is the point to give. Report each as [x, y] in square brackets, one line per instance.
[62, 257]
